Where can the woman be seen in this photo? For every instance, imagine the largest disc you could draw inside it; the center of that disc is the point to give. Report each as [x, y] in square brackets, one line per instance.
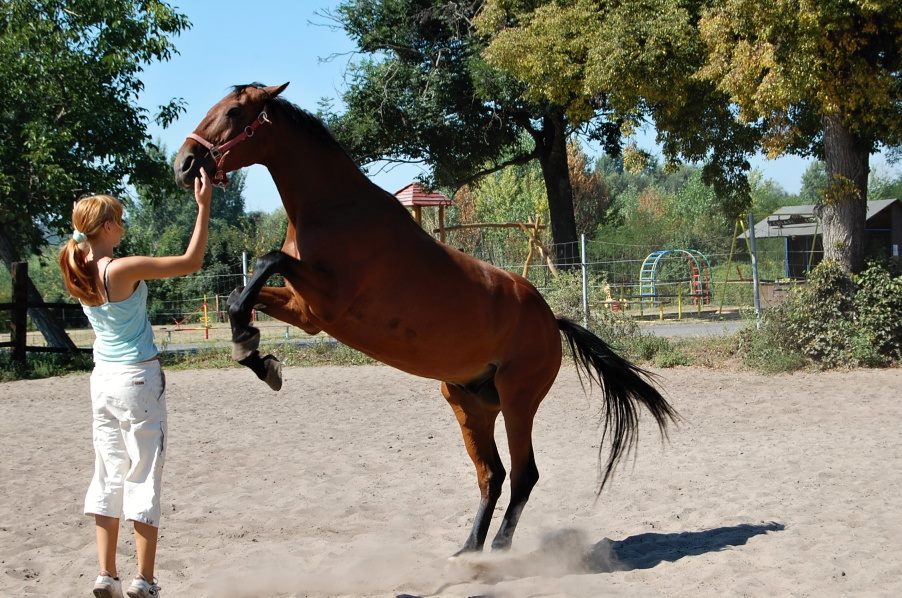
[127, 385]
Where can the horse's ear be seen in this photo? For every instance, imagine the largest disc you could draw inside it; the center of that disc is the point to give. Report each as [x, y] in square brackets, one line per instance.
[274, 90]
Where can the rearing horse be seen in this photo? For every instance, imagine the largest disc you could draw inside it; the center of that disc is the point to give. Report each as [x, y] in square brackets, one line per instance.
[357, 266]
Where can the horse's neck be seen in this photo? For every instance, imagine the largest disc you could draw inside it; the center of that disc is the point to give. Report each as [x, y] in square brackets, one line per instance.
[312, 180]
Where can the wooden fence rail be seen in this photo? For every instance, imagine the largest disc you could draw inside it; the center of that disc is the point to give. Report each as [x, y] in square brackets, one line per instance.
[19, 321]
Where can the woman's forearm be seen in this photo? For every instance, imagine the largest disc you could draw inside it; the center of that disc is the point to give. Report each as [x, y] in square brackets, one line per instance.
[197, 246]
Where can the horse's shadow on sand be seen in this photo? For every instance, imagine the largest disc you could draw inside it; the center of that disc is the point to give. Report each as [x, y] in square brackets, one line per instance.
[566, 552]
[644, 551]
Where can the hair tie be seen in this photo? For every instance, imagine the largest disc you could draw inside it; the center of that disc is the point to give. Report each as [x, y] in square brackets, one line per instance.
[79, 236]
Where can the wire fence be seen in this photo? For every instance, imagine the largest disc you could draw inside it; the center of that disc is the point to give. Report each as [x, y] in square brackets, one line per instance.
[612, 276]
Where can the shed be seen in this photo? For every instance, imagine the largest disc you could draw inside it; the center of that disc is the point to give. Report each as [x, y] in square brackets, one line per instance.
[416, 197]
[801, 230]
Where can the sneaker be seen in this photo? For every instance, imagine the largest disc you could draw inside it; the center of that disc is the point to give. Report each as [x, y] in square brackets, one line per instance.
[141, 588]
[107, 587]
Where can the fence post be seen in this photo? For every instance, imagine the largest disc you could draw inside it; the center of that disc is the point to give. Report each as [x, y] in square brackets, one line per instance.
[757, 287]
[244, 267]
[585, 269]
[20, 310]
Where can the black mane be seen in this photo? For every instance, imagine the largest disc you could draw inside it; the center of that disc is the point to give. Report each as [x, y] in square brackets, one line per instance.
[297, 116]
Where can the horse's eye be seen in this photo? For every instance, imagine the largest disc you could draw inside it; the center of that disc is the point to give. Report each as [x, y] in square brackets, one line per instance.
[234, 112]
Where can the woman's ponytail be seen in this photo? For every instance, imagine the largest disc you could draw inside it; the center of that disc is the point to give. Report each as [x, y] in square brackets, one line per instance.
[78, 279]
[88, 216]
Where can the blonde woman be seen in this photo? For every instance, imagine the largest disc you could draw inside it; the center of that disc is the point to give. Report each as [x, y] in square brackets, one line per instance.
[127, 385]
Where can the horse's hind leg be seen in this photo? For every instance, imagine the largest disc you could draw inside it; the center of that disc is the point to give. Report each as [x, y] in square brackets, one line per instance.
[476, 415]
[519, 402]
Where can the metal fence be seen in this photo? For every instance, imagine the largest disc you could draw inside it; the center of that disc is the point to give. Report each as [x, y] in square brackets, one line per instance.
[603, 275]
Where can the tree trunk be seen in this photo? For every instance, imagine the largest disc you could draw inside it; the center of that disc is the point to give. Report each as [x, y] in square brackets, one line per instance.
[843, 211]
[553, 160]
[48, 325]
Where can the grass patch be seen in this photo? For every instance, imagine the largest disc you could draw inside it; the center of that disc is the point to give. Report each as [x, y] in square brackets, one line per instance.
[714, 352]
[43, 365]
[659, 351]
[320, 352]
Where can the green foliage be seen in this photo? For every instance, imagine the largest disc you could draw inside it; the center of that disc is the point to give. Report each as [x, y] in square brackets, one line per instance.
[884, 186]
[515, 194]
[835, 320]
[657, 350]
[814, 183]
[790, 64]
[69, 125]
[659, 208]
[318, 353]
[878, 314]
[818, 78]
[564, 296]
[43, 365]
[426, 93]
[760, 352]
[640, 56]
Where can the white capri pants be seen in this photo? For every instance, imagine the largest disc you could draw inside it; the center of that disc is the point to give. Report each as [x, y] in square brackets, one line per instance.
[129, 407]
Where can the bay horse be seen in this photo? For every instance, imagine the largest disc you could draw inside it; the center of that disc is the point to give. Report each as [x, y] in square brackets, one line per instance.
[357, 266]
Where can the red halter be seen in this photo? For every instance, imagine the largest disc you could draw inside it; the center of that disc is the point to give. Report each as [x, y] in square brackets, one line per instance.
[219, 152]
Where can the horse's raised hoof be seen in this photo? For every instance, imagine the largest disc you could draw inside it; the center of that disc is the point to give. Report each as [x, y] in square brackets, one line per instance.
[273, 377]
[268, 369]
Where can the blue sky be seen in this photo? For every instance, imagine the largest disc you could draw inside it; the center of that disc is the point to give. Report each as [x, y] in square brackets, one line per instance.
[235, 41]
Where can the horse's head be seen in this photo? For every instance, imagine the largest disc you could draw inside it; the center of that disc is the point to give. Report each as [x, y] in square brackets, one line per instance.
[225, 138]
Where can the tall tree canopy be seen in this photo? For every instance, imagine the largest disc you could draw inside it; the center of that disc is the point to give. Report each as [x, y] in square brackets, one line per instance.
[69, 122]
[637, 58]
[426, 94]
[721, 78]
[824, 79]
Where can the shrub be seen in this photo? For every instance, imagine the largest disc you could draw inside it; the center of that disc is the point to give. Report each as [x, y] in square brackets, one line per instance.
[654, 349]
[832, 321]
[564, 296]
[878, 313]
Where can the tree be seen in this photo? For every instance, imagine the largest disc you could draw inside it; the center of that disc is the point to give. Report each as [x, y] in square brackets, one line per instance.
[818, 78]
[426, 94]
[814, 182]
[68, 120]
[636, 60]
[591, 197]
[160, 221]
[821, 78]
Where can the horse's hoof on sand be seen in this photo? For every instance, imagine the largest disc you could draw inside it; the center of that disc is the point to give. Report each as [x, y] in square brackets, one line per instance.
[273, 372]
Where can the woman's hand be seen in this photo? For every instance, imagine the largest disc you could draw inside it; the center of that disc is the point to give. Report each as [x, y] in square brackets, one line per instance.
[203, 190]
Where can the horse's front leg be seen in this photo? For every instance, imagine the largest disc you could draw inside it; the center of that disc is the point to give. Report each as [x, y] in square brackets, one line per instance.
[246, 338]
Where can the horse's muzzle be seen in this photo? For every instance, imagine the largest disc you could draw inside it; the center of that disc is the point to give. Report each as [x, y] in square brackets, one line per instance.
[186, 167]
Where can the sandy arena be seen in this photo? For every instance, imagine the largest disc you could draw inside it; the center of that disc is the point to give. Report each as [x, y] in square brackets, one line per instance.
[354, 482]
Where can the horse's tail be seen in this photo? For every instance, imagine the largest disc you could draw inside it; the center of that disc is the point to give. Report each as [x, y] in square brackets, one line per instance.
[623, 385]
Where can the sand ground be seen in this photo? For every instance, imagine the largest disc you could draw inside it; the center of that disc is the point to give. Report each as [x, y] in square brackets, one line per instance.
[354, 482]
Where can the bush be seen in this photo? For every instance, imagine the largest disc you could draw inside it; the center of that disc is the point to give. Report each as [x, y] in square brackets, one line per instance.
[878, 313]
[657, 350]
[564, 296]
[834, 320]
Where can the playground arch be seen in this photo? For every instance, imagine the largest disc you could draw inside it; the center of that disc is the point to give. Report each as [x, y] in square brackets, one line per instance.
[699, 275]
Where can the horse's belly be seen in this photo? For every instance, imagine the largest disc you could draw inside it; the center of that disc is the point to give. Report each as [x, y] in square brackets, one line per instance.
[439, 351]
